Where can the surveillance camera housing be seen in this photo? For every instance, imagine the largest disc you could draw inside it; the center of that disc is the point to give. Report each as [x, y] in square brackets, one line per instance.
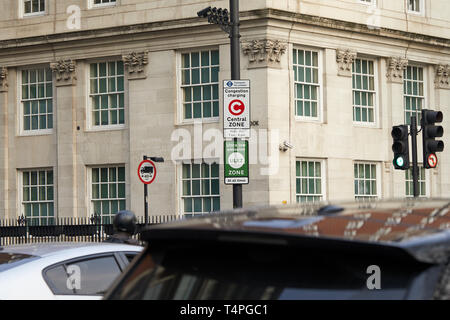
[204, 13]
[288, 145]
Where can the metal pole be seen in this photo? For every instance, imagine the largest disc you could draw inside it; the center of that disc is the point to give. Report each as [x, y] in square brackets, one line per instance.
[146, 199]
[235, 75]
[415, 167]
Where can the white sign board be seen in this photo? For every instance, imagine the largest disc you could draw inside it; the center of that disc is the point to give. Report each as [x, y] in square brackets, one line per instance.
[236, 109]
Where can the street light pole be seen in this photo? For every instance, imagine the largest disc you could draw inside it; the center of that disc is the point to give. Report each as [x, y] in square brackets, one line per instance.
[235, 75]
[229, 24]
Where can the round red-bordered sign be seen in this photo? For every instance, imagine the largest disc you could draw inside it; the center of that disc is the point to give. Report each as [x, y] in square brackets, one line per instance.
[147, 176]
[236, 107]
[432, 160]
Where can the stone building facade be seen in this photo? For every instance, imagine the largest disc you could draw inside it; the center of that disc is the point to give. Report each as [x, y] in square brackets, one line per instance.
[88, 87]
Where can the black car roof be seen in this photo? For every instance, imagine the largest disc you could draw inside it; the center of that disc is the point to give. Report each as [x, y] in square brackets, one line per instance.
[420, 227]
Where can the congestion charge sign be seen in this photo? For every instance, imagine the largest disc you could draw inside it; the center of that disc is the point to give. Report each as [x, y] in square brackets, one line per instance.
[236, 162]
[236, 108]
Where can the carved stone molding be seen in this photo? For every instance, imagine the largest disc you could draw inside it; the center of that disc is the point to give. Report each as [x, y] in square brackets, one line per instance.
[136, 64]
[264, 53]
[441, 80]
[395, 68]
[345, 58]
[65, 71]
[3, 79]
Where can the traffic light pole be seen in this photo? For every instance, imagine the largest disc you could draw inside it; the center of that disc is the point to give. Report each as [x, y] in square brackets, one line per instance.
[235, 75]
[415, 166]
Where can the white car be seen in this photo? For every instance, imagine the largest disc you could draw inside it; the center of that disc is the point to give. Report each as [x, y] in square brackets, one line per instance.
[62, 271]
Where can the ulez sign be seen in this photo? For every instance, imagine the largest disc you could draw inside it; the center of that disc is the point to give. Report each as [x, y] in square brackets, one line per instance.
[236, 162]
[236, 109]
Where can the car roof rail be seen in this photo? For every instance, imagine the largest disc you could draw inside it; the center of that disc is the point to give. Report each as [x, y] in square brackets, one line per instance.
[329, 209]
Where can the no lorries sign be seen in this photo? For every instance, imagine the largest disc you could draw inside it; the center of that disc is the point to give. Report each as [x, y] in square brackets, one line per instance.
[236, 108]
[147, 171]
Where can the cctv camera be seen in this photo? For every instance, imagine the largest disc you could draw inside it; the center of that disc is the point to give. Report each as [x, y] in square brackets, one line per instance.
[204, 13]
[288, 145]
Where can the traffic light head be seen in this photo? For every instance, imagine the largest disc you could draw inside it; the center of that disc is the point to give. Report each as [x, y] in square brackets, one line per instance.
[429, 134]
[400, 147]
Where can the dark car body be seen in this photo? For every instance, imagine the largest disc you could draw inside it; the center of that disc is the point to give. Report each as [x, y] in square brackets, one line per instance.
[359, 250]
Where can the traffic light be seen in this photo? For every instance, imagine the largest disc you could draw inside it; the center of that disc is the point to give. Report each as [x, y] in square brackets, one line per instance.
[430, 132]
[400, 147]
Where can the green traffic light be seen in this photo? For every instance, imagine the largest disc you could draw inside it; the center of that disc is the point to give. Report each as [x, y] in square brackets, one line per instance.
[400, 161]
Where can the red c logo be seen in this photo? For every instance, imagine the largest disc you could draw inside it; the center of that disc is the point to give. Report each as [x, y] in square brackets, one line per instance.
[236, 107]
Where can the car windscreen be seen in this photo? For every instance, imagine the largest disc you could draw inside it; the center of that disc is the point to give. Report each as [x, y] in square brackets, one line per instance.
[9, 260]
[259, 272]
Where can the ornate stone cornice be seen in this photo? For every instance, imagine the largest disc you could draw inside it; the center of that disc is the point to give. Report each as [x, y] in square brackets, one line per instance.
[65, 71]
[3, 79]
[136, 64]
[395, 68]
[344, 59]
[441, 80]
[264, 53]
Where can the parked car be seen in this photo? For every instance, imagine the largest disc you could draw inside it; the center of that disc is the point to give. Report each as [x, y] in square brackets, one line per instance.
[358, 250]
[62, 270]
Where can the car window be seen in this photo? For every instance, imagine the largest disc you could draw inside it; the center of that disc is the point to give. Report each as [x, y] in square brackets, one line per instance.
[83, 277]
[260, 273]
[130, 256]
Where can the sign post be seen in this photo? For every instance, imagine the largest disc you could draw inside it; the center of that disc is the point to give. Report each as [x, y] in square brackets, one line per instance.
[147, 174]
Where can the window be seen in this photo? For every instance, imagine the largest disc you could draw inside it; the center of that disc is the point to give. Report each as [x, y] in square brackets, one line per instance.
[200, 188]
[365, 175]
[33, 7]
[409, 182]
[306, 79]
[363, 78]
[38, 197]
[413, 93]
[101, 3]
[108, 192]
[200, 84]
[37, 100]
[309, 181]
[415, 6]
[83, 277]
[107, 94]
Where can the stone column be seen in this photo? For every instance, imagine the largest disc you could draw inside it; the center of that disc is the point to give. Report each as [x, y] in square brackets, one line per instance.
[3, 142]
[395, 67]
[65, 125]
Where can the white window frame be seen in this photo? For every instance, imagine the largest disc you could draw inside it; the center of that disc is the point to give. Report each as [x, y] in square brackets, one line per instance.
[378, 179]
[323, 170]
[425, 89]
[20, 127]
[92, 5]
[180, 183]
[180, 107]
[90, 205]
[320, 104]
[421, 12]
[376, 111]
[20, 207]
[427, 182]
[22, 13]
[110, 127]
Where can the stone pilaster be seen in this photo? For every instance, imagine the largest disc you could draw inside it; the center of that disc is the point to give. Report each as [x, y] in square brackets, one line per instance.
[344, 59]
[264, 53]
[136, 65]
[4, 143]
[441, 80]
[395, 68]
[66, 136]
